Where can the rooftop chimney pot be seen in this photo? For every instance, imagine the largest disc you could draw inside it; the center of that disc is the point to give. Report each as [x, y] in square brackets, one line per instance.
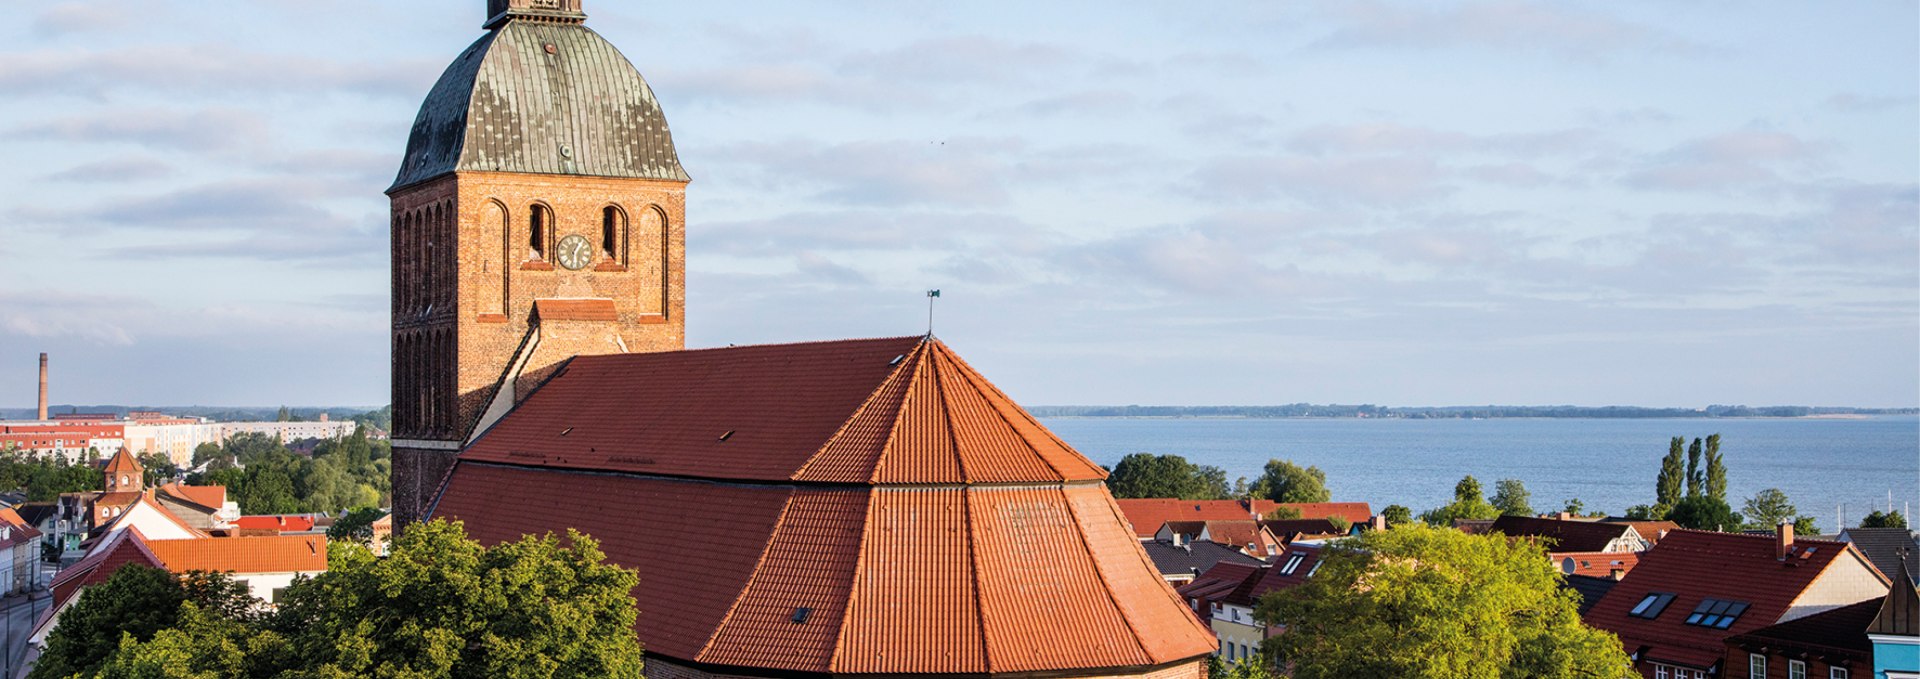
[1783, 544]
[1565, 516]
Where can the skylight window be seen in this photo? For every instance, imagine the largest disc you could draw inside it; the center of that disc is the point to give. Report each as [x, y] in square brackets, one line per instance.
[1293, 563]
[1716, 613]
[1651, 606]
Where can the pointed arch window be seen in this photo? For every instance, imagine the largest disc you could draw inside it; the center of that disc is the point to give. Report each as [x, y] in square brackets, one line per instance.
[539, 231]
[613, 234]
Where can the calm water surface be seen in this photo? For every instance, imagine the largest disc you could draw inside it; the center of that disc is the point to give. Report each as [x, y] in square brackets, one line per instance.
[1608, 464]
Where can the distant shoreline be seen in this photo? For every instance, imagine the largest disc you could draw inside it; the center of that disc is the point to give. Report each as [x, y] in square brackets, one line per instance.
[1338, 412]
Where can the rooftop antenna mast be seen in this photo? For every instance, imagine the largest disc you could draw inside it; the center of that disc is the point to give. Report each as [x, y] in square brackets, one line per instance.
[931, 295]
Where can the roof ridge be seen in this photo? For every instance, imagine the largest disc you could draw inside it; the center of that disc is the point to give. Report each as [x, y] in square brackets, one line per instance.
[762, 345]
[968, 378]
[918, 359]
[872, 399]
[1080, 532]
[1000, 402]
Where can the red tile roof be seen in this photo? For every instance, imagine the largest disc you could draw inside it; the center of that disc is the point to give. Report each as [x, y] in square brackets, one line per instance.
[1241, 585]
[117, 549]
[1698, 565]
[1148, 514]
[20, 531]
[211, 497]
[857, 411]
[122, 461]
[288, 524]
[880, 490]
[265, 554]
[1594, 564]
[1843, 629]
[1648, 530]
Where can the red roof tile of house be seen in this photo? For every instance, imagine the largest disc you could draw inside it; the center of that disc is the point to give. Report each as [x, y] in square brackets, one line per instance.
[19, 531]
[211, 497]
[1697, 565]
[117, 549]
[287, 524]
[1563, 535]
[265, 554]
[878, 508]
[1651, 531]
[1148, 514]
[1594, 564]
[123, 462]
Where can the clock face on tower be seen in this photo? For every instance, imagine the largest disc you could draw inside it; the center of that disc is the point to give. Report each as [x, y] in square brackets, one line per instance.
[575, 252]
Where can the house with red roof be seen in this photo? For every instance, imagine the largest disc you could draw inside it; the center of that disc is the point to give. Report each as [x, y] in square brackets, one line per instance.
[1676, 609]
[19, 554]
[1147, 515]
[1226, 596]
[1244, 535]
[869, 508]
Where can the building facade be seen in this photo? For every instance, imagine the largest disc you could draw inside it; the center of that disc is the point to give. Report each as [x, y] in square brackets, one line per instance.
[539, 214]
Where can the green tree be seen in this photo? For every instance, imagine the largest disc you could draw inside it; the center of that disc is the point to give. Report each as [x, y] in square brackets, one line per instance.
[1282, 514]
[1879, 519]
[356, 526]
[284, 415]
[1673, 474]
[200, 645]
[1695, 476]
[1284, 481]
[1700, 512]
[1574, 507]
[1467, 504]
[1397, 515]
[1510, 496]
[443, 606]
[1716, 470]
[1806, 525]
[1143, 475]
[1417, 602]
[135, 601]
[1769, 508]
[1647, 512]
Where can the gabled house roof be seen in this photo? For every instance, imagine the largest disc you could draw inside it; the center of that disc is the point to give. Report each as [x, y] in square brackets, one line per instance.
[1563, 536]
[1648, 530]
[122, 462]
[1695, 569]
[117, 549]
[1885, 546]
[867, 507]
[1193, 558]
[1842, 630]
[212, 498]
[1237, 585]
[1900, 616]
[1147, 515]
[1286, 529]
[1594, 564]
[20, 531]
[277, 523]
[1590, 589]
[264, 554]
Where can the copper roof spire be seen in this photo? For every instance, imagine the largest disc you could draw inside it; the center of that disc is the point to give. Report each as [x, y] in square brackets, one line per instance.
[551, 11]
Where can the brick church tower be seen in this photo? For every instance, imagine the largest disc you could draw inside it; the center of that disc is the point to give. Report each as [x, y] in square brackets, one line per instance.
[539, 214]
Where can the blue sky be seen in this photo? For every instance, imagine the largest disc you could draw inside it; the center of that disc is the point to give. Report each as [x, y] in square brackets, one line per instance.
[1433, 203]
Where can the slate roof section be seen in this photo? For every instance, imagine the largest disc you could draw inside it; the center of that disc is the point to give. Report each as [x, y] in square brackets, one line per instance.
[541, 98]
[1193, 558]
[1562, 536]
[923, 522]
[1286, 529]
[1842, 629]
[1884, 547]
[1697, 565]
[1590, 589]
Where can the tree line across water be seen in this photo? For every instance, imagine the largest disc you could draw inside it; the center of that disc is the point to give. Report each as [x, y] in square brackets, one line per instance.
[1690, 489]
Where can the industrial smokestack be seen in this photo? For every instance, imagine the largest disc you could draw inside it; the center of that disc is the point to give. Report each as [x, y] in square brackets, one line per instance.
[43, 386]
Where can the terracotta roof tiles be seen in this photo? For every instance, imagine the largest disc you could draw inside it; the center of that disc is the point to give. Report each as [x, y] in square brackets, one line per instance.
[263, 554]
[878, 508]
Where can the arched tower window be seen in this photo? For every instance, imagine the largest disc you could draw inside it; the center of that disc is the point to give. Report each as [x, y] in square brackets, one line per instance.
[613, 234]
[539, 230]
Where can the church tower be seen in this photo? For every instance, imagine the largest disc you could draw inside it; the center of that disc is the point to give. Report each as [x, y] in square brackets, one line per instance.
[539, 214]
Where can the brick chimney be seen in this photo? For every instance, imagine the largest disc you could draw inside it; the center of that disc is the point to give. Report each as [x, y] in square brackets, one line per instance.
[43, 386]
[1379, 522]
[1564, 516]
[1783, 542]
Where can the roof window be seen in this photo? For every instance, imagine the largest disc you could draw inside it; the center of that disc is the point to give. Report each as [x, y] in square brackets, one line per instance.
[800, 615]
[1293, 563]
[1716, 613]
[1651, 606]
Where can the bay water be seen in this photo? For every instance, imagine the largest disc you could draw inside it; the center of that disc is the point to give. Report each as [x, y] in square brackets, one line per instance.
[1824, 465]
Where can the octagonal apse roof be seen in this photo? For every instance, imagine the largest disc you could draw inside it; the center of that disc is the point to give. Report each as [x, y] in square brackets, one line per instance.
[860, 507]
[542, 98]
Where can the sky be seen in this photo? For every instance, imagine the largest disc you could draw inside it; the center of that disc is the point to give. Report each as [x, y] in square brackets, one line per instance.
[1588, 203]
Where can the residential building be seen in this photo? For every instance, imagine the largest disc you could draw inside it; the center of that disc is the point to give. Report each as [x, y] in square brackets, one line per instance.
[1895, 632]
[1180, 563]
[1610, 565]
[20, 547]
[869, 507]
[1565, 534]
[1886, 547]
[1226, 597]
[1676, 609]
[161, 511]
[266, 564]
[1147, 515]
[284, 432]
[1650, 531]
[1245, 535]
[1827, 645]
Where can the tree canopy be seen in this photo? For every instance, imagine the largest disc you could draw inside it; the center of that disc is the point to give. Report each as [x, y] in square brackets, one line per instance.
[1467, 504]
[1888, 519]
[1700, 512]
[1143, 475]
[263, 477]
[1510, 496]
[133, 604]
[1415, 601]
[1284, 481]
[1769, 508]
[440, 607]
[1673, 473]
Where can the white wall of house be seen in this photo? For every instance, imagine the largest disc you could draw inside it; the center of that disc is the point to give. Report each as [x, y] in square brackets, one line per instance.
[1848, 580]
[262, 585]
[153, 523]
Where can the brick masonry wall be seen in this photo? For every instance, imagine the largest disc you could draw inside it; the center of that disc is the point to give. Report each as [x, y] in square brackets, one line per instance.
[659, 668]
[466, 275]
